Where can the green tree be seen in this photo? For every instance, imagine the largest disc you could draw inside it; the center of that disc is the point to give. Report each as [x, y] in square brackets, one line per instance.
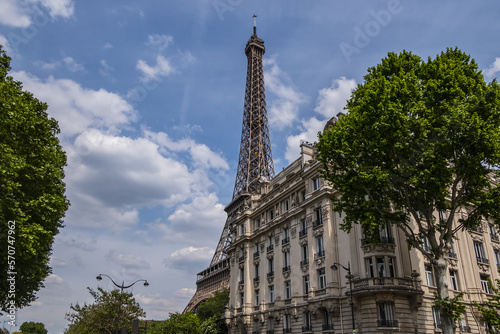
[490, 310]
[111, 311]
[179, 323]
[33, 328]
[419, 149]
[32, 200]
[211, 313]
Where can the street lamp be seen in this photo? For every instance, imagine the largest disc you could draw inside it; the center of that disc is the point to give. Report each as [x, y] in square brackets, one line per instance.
[348, 268]
[122, 287]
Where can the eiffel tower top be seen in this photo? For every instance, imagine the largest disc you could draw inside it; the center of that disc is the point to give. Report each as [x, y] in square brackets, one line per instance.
[255, 160]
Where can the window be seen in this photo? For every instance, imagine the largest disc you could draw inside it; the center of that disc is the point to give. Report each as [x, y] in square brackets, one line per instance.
[286, 261]
[436, 317]
[307, 327]
[256, 252]
[425, 244]
[288, 290]
[497, 256]
[242, 275]
[385, 266]
[452, 254]
[315, 183]
[257, 298]
[306, 285]
[271, 215]
[242, 299]
[319, 217]
[327, 322]
[287, 323]
[429, 275]
[241, 229]
[256, 224]
[385, 235]
[256, 277]
[485, 284]
[286, 205]
[303, 228]
[369, 267]
[320, 247]
[386, 315]
[286, 236]
[321, 279]
[303, 196]
[453, 280]
[305, 255]
[270, 266]
[271, 324]
[493, 233]
[270, 243]
[480, 254]
[271, 293]
[381, 267]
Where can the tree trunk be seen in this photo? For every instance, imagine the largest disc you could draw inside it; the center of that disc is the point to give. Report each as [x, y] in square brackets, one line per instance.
[440, 268]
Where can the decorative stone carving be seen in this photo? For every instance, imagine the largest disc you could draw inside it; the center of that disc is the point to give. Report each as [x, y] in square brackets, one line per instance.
[256, 261]
[319, 261]
[276, 239]
[309, 219]
[293, 231]
[286, 274]
[318, 232]
[286, 248]
[304, 268]
[303, 242]
[379, 248]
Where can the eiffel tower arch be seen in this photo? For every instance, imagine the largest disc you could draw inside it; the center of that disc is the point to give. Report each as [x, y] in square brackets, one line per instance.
[255, 164]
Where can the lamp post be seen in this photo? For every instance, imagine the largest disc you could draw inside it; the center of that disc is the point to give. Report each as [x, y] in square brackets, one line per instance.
[348, 268]
[122, 287]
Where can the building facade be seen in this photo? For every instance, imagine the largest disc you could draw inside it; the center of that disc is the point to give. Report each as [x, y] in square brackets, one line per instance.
[287, 241]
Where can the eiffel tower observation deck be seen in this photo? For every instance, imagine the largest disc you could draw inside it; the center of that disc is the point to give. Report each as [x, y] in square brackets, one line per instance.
[255, 164]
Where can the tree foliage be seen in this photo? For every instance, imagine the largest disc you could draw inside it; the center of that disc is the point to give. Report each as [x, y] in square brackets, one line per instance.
[179, 323]
[33, 328]
[110, 311]
[211, 313]
[490, 310]
[419, 149]
[32, 200]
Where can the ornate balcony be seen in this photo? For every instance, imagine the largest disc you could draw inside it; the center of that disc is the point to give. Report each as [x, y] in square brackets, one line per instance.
[317, 223]
[387, 323]
[400, 284]
[270, 248]
[285, 241]
[302, 233]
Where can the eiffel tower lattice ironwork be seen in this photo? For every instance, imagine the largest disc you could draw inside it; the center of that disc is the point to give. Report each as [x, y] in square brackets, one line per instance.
[255, 163]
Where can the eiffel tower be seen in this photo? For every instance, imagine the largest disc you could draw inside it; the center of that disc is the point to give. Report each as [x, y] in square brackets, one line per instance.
[254, 164]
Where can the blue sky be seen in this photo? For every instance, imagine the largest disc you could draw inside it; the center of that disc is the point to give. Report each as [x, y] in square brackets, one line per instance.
[149, 98]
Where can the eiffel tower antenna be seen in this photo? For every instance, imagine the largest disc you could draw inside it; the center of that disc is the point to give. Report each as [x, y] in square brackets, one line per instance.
[255, 163]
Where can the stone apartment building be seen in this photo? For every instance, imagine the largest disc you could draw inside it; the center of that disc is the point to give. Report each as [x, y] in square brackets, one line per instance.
[286, 239]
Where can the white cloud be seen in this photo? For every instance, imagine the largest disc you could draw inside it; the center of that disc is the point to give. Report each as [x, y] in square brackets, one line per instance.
[68, 62]
[21, 13]
[310, 129]
[189, 259]
[77, 108]
[284, 108]
[128, 261]
[162, 68]
[53, 279]
[159, 41]
[105, 70]
[201, 154]
[332, 100]
[5, 44]
[493, 69]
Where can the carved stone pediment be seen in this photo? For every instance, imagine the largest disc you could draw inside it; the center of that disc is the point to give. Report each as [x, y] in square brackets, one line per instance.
[379, 248]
